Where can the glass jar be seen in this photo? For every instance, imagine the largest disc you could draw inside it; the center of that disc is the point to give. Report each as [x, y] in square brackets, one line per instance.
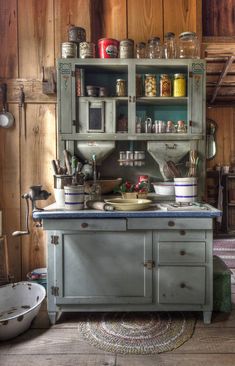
[150, 85]
[169, 47]
[129, 158]
[122, 158]
[139, 157]
[181, 128]
[165, 86]
[140, 50]
[179, 85]
[139, 86]
[189, 46]
[170, 127]
[120, 88]
[154, 48]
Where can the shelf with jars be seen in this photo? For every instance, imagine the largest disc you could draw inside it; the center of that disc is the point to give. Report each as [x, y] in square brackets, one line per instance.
[107, 95]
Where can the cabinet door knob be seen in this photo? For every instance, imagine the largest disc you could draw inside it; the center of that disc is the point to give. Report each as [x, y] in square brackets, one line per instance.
[182, 285]
[182, 252]
[84, 225]
[171, 223]
[182, 232]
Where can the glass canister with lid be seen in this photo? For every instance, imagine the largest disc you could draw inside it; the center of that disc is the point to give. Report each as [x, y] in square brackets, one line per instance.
[179, 85]
[154, 49]
[188, 45]
[150, 84]
[165, 85]
[141, 50]
[169, 47]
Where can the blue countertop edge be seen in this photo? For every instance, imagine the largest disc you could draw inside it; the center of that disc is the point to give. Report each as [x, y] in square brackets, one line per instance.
[51, 212]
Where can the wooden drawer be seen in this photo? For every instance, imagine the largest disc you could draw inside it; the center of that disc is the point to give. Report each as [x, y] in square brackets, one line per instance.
[181, 285]
[181, 252]
[87, 224]
[182, 235]
[169, 223]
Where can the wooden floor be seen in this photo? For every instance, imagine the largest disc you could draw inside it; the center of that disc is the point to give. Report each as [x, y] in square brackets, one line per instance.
[62, 345]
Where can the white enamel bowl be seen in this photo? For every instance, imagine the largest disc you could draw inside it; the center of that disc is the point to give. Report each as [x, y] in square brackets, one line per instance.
[19, 304]
[164, 188]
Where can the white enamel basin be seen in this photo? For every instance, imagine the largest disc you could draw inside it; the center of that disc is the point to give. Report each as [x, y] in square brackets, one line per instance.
[19, 304]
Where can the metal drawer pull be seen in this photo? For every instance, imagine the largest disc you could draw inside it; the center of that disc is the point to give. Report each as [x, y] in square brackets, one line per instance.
[171, 223]
[84, 225]
[149, 264]
[182, 285]
[182, 252]
[182, 232]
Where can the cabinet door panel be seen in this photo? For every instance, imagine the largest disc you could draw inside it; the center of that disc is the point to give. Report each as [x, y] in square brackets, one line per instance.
[181, 285]
[104, 268]
[181, 252]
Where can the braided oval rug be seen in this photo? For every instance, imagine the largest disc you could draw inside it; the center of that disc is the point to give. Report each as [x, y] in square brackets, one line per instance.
[137, 333]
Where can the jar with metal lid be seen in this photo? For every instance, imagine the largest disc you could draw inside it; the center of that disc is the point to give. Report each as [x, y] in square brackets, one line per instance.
[181, 128]
[141, 50]
[179, 85]
[150, 85]
[76, 34]
[68, 50]
[165, 85]
[87, 50]
[120, 88]
[122, 158]
[170, 127]
[139, 157]
[169, 47]
[129, 158]
[189, 46]
[154, 49]
[126, 48]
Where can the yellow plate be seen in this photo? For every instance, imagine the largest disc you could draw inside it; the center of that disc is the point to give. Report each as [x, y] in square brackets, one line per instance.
[129, 204]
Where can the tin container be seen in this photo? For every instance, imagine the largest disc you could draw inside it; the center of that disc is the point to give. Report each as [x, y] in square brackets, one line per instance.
[76, 34]
[87, 50]
[126, 48]
[108, 48]
[179, 85]
[68, 50]
[150, 85]
[120, 88]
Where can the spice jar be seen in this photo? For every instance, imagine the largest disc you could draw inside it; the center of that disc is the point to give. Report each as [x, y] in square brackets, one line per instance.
[170, 127]
[139, 157]
[179, 85]
[141, 50]
[120, 88]
[126, 49]
[165, 86]
[150, 85]
[181, 128]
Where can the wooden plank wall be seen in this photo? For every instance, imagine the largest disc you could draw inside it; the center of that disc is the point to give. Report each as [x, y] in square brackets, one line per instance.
[30, 34]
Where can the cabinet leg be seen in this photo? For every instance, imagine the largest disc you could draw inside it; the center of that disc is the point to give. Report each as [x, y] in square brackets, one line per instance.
[207, 317]
[52, 317]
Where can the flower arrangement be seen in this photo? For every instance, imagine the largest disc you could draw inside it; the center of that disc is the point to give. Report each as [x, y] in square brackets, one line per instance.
[130, 190]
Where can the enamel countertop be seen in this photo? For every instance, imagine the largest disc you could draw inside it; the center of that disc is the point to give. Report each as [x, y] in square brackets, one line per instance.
[53, 212]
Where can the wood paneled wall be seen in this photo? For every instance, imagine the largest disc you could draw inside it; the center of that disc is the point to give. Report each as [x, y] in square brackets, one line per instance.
[31, 32]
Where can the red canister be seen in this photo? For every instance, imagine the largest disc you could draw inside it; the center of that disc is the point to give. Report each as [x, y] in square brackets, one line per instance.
[108, 48]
